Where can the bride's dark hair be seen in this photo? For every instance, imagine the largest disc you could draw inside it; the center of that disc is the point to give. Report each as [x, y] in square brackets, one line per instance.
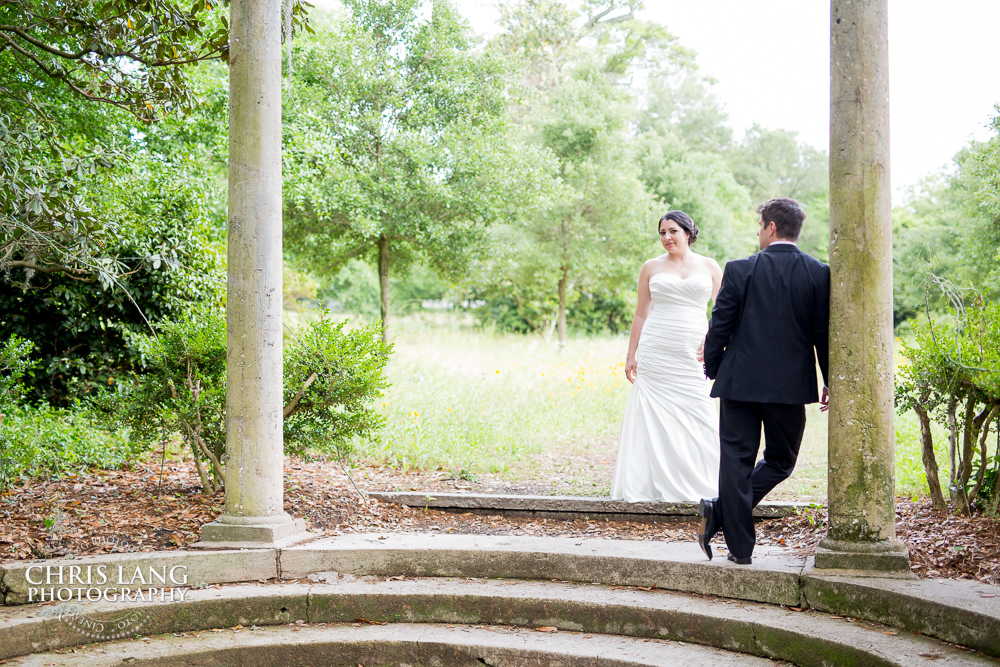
[683, 221]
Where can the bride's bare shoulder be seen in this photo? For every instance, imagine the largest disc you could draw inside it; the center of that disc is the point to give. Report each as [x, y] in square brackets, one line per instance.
[653, 265]
[707, 262]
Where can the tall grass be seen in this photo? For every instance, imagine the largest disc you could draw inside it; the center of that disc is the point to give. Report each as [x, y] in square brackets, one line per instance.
[808, 482]
[469, 401]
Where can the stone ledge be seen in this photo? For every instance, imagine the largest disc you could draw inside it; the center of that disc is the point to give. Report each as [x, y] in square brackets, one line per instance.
[967, 613]
[568, 507]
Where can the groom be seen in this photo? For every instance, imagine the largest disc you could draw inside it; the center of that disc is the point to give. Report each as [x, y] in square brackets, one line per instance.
[769, 326]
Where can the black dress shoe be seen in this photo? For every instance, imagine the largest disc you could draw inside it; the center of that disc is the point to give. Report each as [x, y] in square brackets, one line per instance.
[740, 561]
[709, 526]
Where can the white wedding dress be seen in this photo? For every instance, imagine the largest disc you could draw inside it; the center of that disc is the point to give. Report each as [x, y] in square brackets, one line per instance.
[669, 445]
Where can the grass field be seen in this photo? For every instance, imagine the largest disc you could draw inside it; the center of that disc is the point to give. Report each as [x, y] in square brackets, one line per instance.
[469, 401]
[522, 410]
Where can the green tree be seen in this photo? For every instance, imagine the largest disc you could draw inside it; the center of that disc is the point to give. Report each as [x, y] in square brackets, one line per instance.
[926, 248]
[64, 69]
[977, 188]
[591, 237]
[949, 229]
[683, 140]
[586, 246]
[773, 163]
[160, 211]
[678, 103]
[168, 250]
[399, 148]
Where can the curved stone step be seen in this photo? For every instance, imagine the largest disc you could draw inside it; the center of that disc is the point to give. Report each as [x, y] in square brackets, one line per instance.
[963, 612]
[569, 507]
[679, 566]
[801, 637]
[398, 643]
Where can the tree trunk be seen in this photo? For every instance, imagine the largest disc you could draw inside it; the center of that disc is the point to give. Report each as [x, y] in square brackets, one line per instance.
[982, 425]
[952, 445]
[968, 443]
[995, 500]
[930, 463]
[955, 488]
[563, 281]
[383, 284]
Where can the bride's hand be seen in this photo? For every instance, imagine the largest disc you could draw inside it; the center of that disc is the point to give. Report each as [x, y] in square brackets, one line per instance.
[630, 367]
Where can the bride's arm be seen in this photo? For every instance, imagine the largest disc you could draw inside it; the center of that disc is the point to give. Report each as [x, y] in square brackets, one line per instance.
[641, 312]
[716, 271]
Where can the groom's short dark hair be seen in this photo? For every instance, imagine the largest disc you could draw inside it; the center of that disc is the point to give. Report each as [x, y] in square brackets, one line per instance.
[786, 214]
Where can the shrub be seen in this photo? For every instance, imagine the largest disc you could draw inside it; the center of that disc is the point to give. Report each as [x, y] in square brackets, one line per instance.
[511, 308]
[167, 251]
[330, 377]
[15, 363]
[182, 389]
[42, 441]
[953, 377]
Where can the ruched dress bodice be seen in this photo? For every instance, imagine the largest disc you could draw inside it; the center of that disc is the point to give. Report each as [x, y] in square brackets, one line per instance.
[669, 444]
[674, 329]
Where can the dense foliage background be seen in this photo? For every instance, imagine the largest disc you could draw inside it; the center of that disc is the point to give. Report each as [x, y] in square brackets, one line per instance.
[516, 179]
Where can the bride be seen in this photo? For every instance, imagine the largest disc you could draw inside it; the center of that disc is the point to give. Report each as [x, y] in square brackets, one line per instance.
[669, 444]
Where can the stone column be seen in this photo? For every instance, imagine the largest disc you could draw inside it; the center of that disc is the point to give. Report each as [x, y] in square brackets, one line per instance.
[254, 515]
[862, 517]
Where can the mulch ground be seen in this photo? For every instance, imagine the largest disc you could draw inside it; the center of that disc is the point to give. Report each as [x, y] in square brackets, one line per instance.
[147, 508]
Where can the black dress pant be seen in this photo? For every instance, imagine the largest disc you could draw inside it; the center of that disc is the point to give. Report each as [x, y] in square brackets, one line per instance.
[742, 484]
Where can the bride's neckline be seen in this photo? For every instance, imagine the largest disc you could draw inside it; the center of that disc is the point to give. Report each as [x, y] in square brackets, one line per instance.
[677, 275]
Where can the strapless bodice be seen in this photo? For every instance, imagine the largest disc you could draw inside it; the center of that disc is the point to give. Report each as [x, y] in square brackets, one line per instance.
[669, 291]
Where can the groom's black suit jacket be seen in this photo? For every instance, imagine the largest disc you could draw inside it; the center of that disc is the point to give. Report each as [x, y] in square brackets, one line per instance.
[769, 326]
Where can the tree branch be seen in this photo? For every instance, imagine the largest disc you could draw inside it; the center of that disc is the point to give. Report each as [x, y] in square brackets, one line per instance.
[78, 55]
[62, 77]
[68, 271]
[594, 20]
[298, 397]
[42, 45]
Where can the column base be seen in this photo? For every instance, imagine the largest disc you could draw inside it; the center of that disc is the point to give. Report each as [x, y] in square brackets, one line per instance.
[888, 556]
[252, 532]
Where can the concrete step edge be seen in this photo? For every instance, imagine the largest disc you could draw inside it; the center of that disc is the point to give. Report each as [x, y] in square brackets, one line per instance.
[964, 612]
[402, 643]
[797, 636]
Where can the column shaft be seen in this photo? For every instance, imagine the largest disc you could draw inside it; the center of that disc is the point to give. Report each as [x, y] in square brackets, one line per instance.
[254, 510]
[861, 433]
